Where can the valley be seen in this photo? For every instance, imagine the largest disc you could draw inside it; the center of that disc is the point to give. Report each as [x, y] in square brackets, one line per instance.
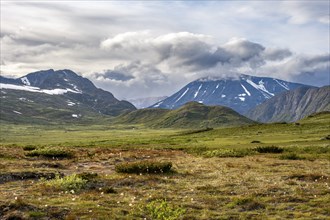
[255, 171]
[164, 110]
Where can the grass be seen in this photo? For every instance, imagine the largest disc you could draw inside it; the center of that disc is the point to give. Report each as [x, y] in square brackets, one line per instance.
[140, 167]
[218, 173]
[50, 152]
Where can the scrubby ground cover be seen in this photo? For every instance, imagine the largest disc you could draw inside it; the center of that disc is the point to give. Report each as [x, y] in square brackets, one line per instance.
[232, 173]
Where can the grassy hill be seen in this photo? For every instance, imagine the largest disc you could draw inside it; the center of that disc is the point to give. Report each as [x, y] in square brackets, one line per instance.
[191, 115]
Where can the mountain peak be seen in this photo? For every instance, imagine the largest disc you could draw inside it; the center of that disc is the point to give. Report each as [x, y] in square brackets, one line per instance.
[67, 83]
[241, 92]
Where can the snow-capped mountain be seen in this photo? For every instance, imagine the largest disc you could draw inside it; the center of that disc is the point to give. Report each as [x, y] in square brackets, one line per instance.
[58, 87]
[241, 93]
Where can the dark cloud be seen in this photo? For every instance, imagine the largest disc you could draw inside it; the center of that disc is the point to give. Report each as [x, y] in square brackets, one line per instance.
[316, 60]
[274, 54]
[185, 51]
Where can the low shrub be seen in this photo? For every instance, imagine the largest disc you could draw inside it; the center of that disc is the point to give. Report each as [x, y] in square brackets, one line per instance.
[313, 177]
[247, 204]
[109, 190]
[50, 153]
[269, 149]
[144, 167]
[88, 176]
[161, 210]
[29, 148]
[291, 156]
[226, 153]
[72, 182]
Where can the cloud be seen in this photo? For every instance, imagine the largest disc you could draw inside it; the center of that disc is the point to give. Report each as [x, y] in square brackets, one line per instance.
[136, 80]
[180, 41]
[307, 69]
[276, 54]
[302, 12]
[114, 75]
[189, 52]
[169, 61]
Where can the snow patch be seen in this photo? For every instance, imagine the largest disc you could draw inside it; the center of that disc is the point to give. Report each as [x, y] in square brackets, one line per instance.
[243, 94]
[75, 87]
[23, 99]
[196, 93]
[25, 81]
[158, 104]
[76, 115]
[223, 96]
[242, 98]
[36, 89]
[282, 84]
[260, 87]
[246, 91]
[17, 112]
[215, 89]
[181, 95]
[200, 102]
[70, 103]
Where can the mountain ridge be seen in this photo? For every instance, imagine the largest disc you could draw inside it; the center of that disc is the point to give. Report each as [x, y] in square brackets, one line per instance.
[67, 85]
[292, 105]
[241, 93]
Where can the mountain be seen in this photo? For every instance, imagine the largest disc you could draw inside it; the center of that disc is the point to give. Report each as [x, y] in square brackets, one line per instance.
[145, 102]
[292, 105]
[61, 92]
[241, 93]
[190, 115]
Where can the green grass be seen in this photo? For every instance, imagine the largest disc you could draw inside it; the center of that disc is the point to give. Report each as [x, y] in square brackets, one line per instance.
[218, 173]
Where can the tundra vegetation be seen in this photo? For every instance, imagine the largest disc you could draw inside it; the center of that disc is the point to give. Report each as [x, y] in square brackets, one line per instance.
[259, 171]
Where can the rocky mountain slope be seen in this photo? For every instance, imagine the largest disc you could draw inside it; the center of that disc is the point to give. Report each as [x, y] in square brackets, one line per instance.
[292, 105]
[241, 93]
[56, 91]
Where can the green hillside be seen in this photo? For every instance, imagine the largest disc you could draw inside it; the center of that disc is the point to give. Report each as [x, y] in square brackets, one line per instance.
[191, 115]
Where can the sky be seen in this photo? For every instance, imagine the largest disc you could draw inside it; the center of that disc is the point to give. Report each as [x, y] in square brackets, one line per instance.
[138, 49]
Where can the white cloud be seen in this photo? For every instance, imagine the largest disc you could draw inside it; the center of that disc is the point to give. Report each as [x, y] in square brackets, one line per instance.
[184, 41]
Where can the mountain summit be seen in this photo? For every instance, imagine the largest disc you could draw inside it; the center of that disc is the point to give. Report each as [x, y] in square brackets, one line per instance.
[241, 93]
